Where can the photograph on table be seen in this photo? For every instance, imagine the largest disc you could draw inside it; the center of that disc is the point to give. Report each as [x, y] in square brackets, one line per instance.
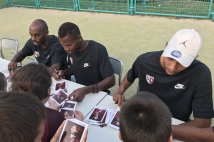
[61, 85]
[67, 112]
[97, 114]
[107, 117]
[73, 131]
[115, 120]
[59, 97]
[69, 104]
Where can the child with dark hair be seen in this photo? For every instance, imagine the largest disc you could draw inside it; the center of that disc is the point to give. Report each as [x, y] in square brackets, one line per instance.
[144, 117]
[22, 117]
[3, 82]
[36, 79]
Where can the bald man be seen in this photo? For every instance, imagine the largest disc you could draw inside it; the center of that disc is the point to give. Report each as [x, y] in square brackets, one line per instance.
[46, 48]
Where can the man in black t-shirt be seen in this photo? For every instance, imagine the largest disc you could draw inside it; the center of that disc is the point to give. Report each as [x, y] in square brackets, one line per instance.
[89, 62]
[183, 83]
[46, 48]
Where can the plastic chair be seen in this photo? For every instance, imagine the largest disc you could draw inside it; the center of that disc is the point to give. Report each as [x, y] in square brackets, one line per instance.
[117, 65]
[9, 43]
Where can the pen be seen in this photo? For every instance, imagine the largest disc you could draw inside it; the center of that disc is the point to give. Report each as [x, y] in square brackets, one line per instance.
[55, 70]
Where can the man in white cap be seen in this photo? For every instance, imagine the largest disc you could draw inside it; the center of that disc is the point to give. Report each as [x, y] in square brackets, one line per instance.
[183, 83]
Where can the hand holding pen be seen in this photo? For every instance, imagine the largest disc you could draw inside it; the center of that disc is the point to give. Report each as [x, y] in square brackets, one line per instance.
[119, 99]
[58, 74]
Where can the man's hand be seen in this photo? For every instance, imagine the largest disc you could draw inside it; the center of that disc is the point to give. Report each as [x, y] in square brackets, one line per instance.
[78, 115]
[12, 67]
[78, 95]
[119, 99]
[58, 74]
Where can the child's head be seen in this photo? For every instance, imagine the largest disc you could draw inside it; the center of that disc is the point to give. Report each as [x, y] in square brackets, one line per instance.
[144, 117]
[22, 117]
[32, 79]
[3, 82]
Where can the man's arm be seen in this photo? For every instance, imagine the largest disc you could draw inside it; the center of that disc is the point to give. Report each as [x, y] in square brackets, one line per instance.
[68, 72]
[118, 96]
[192, 134]
[199, 122]
[17, 58]
[106, 83]
[102, 85]
[26, 51]
[59, 58]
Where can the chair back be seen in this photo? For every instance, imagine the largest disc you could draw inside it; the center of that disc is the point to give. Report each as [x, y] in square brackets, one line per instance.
[9, 43]
[117, 65]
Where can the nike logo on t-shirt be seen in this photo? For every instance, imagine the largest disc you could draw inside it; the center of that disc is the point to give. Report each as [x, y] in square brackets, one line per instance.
[179, 86]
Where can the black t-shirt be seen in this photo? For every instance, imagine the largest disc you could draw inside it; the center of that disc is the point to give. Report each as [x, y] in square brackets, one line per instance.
[187, 91]
[92, 65]
[52, 54]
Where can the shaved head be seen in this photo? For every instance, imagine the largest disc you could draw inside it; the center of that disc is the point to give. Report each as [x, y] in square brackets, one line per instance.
[39, 32]
[39, 24]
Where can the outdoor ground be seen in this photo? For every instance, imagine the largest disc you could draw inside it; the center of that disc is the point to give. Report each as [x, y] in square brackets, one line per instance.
[124, 36]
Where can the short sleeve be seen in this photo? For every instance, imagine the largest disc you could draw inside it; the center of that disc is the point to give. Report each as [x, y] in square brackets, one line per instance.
[202, 104]
[27, 50]
[59, 55]
[133, 72]
[104, 64]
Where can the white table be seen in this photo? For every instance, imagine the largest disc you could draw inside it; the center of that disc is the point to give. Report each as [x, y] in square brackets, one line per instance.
[88, 102]
[85, 106]
[109, 134]
[3, 64]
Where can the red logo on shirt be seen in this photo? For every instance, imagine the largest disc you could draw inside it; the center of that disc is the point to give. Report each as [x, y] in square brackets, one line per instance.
[36, 54]
[149, 79]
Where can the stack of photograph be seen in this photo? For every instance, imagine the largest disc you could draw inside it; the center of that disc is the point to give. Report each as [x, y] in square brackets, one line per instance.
[60, 96]
[101, 116]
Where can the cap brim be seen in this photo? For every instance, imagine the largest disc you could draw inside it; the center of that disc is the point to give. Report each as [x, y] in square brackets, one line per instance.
[185, 59]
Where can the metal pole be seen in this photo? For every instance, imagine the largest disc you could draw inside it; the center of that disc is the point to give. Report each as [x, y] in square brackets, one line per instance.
[210, 8]
[144, 4]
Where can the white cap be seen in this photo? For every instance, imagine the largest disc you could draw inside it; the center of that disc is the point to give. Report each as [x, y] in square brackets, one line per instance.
[183, 46]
